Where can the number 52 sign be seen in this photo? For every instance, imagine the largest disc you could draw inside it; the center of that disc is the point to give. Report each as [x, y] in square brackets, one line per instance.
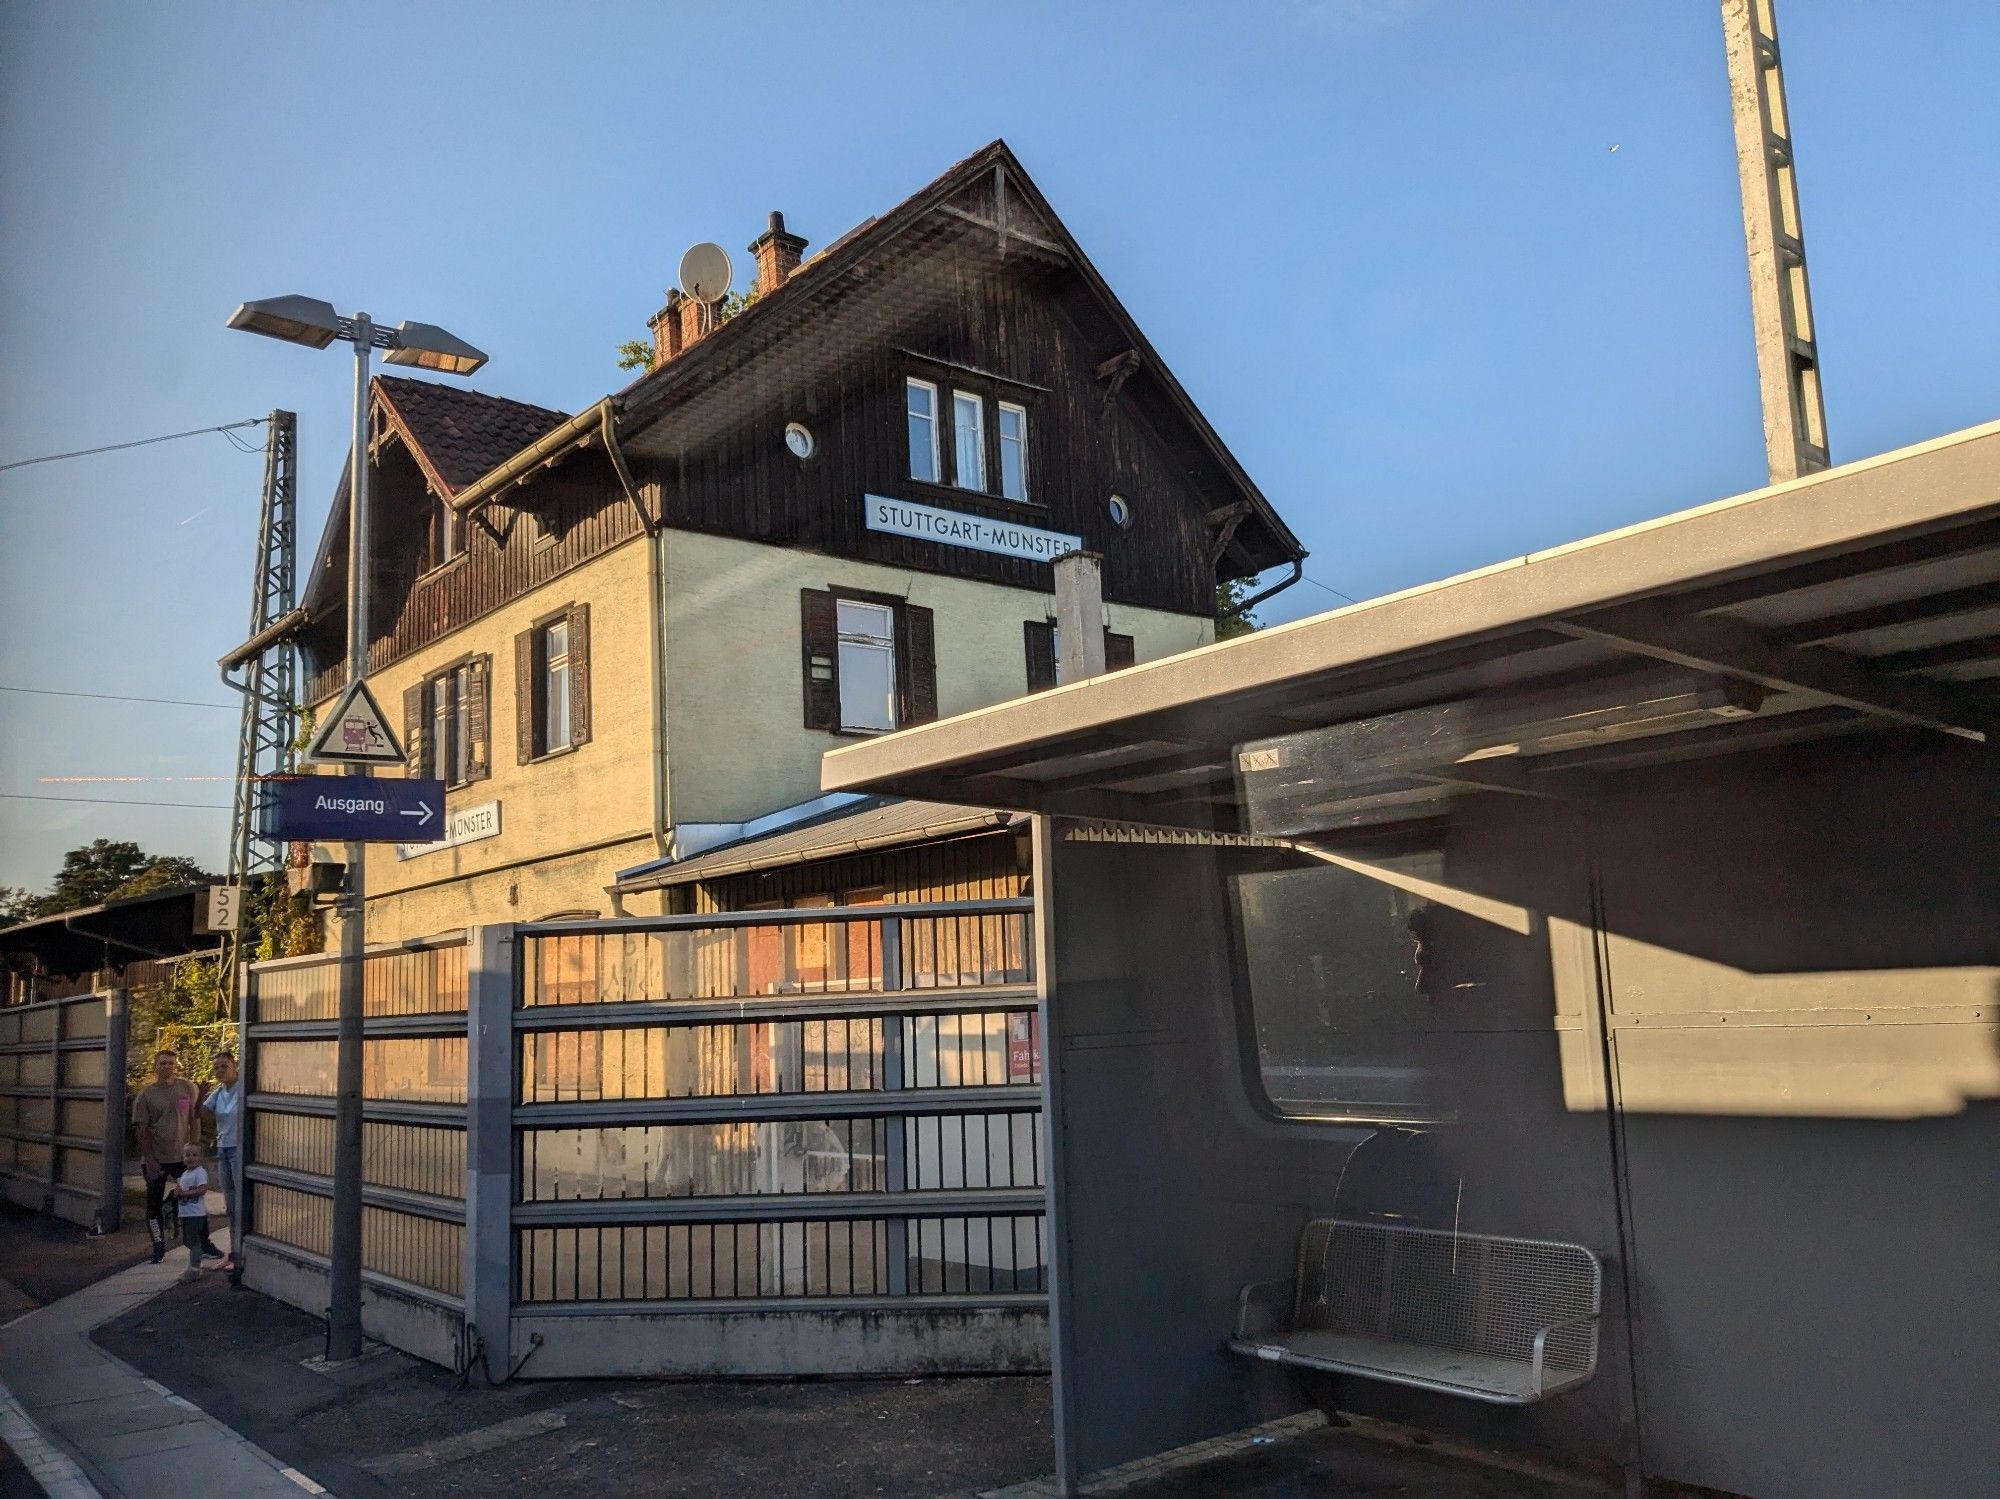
[217, 908]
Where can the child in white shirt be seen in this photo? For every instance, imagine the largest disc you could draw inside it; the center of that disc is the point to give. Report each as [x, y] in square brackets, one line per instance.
[193, 1214]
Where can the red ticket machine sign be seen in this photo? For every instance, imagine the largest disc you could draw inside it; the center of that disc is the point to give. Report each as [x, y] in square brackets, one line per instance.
[1024, 1048]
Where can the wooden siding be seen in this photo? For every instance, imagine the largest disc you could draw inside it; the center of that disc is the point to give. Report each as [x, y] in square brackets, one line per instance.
[1022, 321]
[563, 520]
[984, 866]
[943, 307]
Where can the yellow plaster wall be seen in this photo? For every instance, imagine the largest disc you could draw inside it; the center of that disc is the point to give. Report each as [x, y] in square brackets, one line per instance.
[737, 744]
[551, 810]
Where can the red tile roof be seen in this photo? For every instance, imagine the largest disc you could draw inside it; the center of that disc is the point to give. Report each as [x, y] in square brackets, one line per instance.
[456, 434]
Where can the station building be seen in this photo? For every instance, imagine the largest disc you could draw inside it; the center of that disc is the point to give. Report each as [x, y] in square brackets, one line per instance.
[625, 636]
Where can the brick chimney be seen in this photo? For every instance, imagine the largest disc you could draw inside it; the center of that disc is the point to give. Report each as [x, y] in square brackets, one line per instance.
[694, 321]
[777, 255]
[666, 326]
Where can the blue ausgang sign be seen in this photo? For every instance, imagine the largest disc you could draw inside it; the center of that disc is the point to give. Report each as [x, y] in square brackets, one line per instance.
[340, 809]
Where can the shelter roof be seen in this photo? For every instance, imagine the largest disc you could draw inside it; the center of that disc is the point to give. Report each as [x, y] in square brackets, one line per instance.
[1862, 597]
[159, 924]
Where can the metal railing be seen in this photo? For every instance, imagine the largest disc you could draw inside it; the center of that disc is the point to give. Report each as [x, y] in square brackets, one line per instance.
[414, 1002]
[62, 1106]
[834, 1108]
[779, 1106]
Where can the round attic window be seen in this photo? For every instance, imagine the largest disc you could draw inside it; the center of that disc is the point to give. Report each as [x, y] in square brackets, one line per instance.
[799, 439]
[1121, 511]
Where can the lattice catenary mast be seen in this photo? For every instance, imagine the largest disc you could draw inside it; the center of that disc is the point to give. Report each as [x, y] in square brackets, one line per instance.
[268, 676]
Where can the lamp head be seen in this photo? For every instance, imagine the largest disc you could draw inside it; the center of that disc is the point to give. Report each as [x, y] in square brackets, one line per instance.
[297, 320]
[428, 347]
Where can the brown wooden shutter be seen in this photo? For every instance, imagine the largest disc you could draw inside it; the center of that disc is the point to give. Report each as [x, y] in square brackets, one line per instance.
[416, 742]
[524, 697]
[1119, 652]
[479, 763]
[918, 680]
[579, 674]
[819, 640]
[1040, 639]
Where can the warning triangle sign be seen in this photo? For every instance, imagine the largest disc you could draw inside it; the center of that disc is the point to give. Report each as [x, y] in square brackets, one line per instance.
[355, 732]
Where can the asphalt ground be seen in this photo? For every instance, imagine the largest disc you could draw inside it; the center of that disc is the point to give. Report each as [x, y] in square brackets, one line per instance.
[43, 1259]
[392, 1425]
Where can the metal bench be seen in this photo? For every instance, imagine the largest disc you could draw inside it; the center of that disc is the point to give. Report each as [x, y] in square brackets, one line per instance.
[1511, 1321]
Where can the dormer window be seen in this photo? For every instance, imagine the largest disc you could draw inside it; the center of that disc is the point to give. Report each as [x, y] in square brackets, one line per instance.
[965, 434]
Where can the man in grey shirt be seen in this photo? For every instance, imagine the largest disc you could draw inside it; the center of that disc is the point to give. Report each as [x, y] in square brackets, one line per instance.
[225, 1103]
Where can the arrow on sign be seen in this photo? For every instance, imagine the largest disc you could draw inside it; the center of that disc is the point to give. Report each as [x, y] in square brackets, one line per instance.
[421, 811]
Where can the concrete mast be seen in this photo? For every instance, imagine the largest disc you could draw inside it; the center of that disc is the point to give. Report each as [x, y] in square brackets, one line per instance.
[1780, 301]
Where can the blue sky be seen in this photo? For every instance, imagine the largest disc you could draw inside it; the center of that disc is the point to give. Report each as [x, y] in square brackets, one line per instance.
[1386, 244]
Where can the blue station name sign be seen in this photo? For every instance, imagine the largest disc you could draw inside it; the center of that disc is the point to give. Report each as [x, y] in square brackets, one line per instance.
[342, 809]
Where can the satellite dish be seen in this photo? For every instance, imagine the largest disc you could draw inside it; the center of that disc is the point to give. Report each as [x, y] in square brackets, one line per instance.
[705, 272]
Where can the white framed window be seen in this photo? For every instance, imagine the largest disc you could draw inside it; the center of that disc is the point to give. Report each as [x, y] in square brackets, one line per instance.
[968, 439]
[867, 671]
[554, 663]
[920, 403]
[1013, 427]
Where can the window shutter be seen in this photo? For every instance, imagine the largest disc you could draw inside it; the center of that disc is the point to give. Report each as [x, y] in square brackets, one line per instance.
[1119, 652]
[524, 697]
[416, 743]
[918, 647]
[819, 638]
[579, 674]
[1040, 638]
[479, 762]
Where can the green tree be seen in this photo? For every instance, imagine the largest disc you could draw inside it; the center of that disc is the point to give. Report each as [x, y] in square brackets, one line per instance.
[182, 1015]
[165, 872]
[107, 869]
[637, 353]
[89, 874]
[1229, 596]
[279, 923]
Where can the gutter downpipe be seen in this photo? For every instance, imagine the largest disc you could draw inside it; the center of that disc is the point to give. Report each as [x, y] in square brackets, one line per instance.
[276, 632]
[656, 629]
[600, 421]
[1235, 611]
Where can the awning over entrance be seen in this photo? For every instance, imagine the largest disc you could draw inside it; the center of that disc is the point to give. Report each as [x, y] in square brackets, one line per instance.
[1861, 598]
[865, 826]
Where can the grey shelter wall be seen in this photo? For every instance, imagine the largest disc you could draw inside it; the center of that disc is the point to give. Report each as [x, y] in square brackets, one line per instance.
[1170, 1192]
[1180, 1185]
[1803, 953]
[1790, 962]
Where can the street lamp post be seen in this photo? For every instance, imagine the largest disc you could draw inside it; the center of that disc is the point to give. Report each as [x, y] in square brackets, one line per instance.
[308, 321]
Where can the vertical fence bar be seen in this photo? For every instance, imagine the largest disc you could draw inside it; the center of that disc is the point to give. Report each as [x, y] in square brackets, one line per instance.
[896, 1150]
[59, 1022]
[111, 1180]
[489, 1141]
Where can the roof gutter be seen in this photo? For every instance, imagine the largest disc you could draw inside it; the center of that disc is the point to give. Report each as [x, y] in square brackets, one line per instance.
[594, 424]
[279, 630]
[1237, 611]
